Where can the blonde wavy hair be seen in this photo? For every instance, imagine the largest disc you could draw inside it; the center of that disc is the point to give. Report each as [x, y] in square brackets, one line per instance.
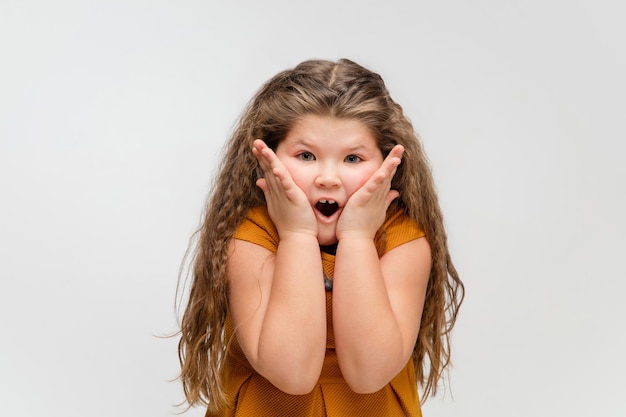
[341, 89]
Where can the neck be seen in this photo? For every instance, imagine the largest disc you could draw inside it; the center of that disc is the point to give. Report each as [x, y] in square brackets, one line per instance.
[329, 249]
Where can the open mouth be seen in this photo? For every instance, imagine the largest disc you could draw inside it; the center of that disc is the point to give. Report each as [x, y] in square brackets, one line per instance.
[327, 207]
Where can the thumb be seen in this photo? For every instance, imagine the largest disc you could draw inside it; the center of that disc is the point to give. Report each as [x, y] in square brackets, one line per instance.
[391, 195]
[262, 184]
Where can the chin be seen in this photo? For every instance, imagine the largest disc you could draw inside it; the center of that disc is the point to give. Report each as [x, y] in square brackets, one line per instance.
[327, 240]
[326, 234]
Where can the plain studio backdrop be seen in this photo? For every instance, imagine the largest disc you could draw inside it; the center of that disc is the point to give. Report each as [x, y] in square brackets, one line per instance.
[113, 115]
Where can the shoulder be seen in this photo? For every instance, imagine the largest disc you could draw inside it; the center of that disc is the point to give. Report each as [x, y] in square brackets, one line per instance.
[258, 228]
[398, 228]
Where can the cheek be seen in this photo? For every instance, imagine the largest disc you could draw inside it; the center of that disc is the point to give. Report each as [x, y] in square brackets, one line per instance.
[358, 179]
[298, 175]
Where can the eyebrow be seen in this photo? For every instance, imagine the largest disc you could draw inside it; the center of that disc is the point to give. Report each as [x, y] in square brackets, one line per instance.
[302, 141]
[359, 148]
[354, 148]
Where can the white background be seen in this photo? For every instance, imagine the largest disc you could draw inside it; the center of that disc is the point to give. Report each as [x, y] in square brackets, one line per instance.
[112, 117]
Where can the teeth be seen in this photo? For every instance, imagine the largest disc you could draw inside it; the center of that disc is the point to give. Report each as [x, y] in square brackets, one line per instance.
[328, 201]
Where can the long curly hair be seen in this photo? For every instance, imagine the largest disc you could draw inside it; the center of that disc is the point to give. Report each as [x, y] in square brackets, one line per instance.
[341, 89]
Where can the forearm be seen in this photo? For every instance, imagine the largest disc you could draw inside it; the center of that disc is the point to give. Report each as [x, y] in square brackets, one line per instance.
[368, 337]
[292, 338]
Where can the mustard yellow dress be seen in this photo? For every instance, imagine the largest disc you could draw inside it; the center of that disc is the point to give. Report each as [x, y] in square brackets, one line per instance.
[251, 395]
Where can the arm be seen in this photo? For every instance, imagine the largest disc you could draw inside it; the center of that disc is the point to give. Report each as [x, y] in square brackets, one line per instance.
[377, 307]
[377, 303]
[278, 302]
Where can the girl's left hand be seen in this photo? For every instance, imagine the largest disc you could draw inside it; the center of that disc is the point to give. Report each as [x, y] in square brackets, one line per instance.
[365, 211]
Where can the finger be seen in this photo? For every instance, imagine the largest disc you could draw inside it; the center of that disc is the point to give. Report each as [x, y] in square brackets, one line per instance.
[286, 183]
[396, 152]
[386, 171]
[276, 176]
[269, 163]
[394, 159]
[259, 152]
[274, 165]
[262, 184]
[260, 160]
[265, 155]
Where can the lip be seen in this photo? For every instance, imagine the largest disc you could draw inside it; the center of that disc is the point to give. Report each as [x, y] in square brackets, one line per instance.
[327, 219]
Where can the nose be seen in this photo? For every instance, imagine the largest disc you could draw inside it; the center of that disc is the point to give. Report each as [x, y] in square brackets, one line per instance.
[328, 178]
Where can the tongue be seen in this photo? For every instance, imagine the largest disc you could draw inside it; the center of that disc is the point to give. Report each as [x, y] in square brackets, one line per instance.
[327, 209]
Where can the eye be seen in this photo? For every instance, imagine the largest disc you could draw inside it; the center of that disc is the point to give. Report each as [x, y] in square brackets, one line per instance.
[353, 159]
[306, 156]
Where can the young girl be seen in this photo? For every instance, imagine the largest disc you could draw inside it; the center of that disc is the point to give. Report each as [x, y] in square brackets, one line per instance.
[322, 282]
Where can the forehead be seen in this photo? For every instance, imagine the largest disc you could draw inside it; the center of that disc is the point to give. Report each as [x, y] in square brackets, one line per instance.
[331, 131]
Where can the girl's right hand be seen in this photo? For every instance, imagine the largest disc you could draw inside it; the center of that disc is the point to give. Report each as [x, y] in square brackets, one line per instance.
[287, 204]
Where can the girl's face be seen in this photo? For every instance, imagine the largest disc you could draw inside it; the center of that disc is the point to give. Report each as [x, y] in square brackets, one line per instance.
[329, 159]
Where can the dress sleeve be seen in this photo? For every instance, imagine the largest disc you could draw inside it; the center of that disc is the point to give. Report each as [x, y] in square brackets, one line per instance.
[399, 228]
[259, 229]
